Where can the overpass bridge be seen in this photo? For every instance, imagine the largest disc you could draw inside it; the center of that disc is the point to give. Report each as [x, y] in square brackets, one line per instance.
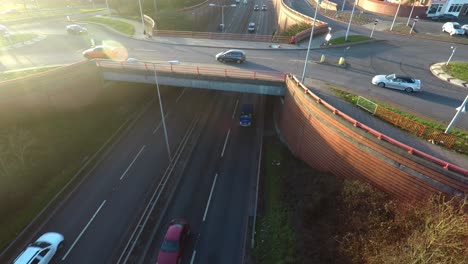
[195, 76]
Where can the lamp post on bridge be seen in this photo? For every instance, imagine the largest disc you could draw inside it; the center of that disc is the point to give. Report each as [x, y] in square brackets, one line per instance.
[222, 13]
[161, 107]
[310, 41]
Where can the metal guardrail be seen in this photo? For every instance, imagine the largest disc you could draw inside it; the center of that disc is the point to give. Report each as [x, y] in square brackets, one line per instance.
[377, 134]
[195, 70]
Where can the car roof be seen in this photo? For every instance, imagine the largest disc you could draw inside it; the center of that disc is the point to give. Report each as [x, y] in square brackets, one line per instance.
[403, 77]
[251, 24]
[174, 232]
[26, 256]
[235, 50]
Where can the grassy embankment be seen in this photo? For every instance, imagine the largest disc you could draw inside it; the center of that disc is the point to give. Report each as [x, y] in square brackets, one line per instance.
[458, 70]
[311, 217]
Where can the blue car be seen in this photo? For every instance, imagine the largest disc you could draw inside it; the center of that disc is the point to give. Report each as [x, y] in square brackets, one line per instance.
[246, 115]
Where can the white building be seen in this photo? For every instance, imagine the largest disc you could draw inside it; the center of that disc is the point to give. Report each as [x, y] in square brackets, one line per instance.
[454, 7]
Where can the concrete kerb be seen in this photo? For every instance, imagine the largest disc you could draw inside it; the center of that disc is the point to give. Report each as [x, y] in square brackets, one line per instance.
[437, 70]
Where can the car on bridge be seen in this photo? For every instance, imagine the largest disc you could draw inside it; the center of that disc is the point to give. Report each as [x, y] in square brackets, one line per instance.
[399, 82]
[233, 55]
[103, 52]
[264, 7]
[256, 8]
[42, 251]
[174, 243]
[76, 29]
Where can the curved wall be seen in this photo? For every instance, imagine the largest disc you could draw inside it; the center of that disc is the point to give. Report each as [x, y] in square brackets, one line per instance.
[389, 9]
[288, 17]
[327, 142]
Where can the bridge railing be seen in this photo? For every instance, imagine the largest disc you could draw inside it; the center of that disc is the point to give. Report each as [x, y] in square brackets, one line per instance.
[224, 36]
[194, 70]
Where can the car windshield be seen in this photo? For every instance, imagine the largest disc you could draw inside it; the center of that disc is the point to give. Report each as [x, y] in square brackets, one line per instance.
[390, 77]
[170, 246]
[40, 244]
[456, 26]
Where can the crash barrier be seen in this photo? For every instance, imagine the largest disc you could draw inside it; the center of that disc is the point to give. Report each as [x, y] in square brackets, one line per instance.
[194, 70]
[223, 36]
[329, 140]
[325, 5]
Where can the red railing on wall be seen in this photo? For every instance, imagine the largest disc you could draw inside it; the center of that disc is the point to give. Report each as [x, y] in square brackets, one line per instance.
[195, 70]
[380, 136]
[224, 36]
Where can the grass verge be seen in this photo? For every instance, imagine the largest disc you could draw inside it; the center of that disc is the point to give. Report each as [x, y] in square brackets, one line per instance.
[16, 38]
[354, 38]
[458, 70]
[115, 24]
[10, 75]
[276, 242]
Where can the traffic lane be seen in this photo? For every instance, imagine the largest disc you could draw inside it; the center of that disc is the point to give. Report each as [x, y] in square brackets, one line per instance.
[103, 184]
[192, 193]
[222, 238]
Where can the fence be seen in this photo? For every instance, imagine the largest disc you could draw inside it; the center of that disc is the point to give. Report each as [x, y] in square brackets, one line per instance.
[223, 36]
[433, 135]
[194, 70]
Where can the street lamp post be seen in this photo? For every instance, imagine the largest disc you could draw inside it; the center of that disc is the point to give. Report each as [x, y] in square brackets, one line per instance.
[414, 23]
[373, 28]
[222, 12]
[108, 10]
[163, 119]
[142, 19]
[455, 117]
[396, 13]
[350, 19]
[342, 7]
[310, 40]
[451, 55]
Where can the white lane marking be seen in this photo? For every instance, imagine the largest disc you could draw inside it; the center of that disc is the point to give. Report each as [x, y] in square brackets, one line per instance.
[209, 198]
[193, 257]
[181, 94]
[84, 229]
[235, 109]
[225, 142]
[133, 161]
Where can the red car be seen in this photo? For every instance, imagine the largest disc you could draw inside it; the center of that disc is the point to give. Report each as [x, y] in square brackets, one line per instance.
[174, 242]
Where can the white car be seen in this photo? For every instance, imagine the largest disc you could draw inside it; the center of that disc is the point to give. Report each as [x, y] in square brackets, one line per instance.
[453, 28]
[42, 251]
[399, 82]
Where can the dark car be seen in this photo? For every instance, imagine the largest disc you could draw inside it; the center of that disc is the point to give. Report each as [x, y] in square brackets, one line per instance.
[76, 29]
[174, 242]
[234, 55]
[445, 17]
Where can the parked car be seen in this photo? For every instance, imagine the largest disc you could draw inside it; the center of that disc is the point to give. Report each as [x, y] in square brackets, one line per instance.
[445, 17]
[42, 251]
[76, 29]
[453, 28]
[174, 242]
[251, 27]
[101, 52]
[264, 7]
[234, 55]
[256, 8]
[400, 82]
[465, 28]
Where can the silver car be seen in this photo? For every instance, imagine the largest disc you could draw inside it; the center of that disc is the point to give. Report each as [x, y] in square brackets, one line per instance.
[42, 251]
[400, 82]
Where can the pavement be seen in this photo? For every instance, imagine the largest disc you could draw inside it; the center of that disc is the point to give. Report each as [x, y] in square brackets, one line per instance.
[439, 72]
